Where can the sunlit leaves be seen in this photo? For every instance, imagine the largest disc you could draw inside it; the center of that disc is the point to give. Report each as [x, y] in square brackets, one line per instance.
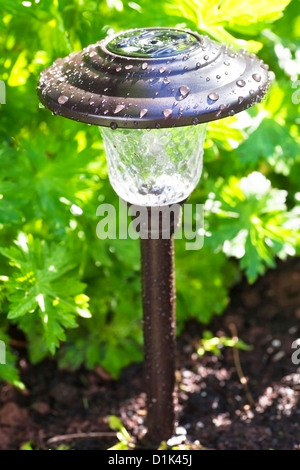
[36, 184]
[279, 150]
[42, 286]
[218, 18]
[252, 223]
[116, 323]
[247, 12]
[202, 286]
[19, 73]
[225, 134]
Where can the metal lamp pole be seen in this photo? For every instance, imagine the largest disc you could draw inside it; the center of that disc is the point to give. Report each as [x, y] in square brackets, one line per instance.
[158, 293]
[159, 324]
[148, 89]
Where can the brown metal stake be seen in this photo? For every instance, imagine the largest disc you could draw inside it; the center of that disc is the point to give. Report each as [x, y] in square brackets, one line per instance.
[158, 294]
[159, 336]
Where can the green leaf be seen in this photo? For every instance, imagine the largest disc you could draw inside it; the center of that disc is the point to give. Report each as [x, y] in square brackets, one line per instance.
[22, 308]
[252, 223]
[246, 12]
[8, 370]
[279, 150]
[27, 446]
[201, 296]
[122, 434]
[43, 281]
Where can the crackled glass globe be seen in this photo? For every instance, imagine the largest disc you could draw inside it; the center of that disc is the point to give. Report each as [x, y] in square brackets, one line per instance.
[154, 167]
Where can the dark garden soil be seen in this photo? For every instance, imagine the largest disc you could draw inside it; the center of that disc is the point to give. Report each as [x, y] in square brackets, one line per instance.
[216, 408]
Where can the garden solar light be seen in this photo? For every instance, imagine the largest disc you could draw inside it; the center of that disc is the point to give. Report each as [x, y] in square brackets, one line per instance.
[151, 91]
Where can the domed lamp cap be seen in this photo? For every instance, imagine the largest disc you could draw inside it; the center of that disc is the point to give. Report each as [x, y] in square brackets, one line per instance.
[152, 78]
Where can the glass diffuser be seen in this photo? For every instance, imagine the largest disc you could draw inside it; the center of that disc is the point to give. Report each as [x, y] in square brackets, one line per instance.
[155, 167]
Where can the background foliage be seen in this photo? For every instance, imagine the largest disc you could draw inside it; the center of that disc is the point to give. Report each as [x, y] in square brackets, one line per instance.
[76, 296]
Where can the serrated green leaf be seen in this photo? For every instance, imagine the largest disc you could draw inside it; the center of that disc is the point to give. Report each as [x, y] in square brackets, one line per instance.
[257, 228]
[41, 282]
[279, 150]
[22, 308]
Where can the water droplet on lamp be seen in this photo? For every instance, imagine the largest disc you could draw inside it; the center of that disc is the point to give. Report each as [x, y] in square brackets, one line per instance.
[144, 65]
[167, 112]
[113, 125]
[162, 69]
[118, 108]
[256, 77]
[166, 80]
[184, 91]
[62, 99]
[143, 112]
[213, 96]
[241, 83]
[128, 67]
[240, 99]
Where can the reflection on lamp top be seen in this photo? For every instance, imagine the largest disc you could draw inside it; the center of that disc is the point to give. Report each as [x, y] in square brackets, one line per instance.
[153, 43]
